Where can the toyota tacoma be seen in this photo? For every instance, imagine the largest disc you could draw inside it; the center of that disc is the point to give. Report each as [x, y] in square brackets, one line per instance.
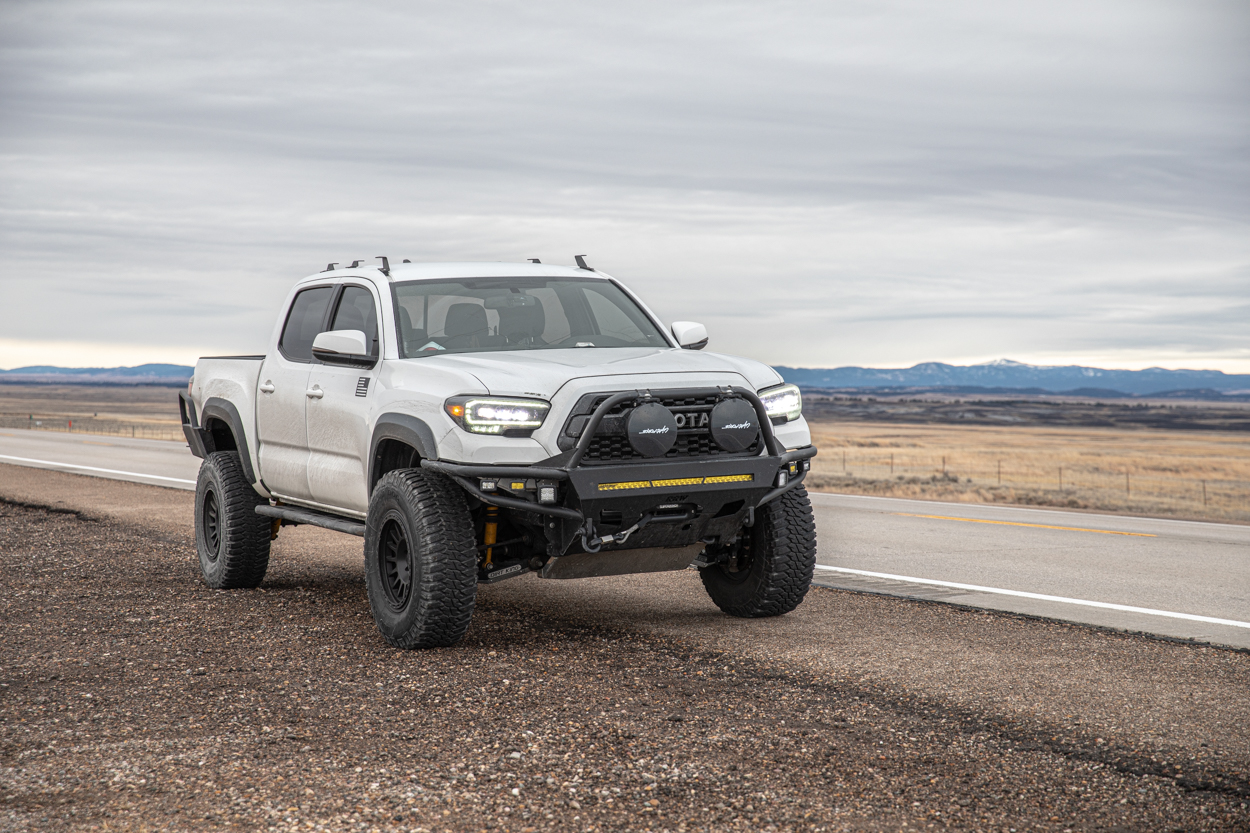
[475, 422]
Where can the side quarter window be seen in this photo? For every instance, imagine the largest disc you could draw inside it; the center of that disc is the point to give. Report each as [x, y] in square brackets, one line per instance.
[304, 322]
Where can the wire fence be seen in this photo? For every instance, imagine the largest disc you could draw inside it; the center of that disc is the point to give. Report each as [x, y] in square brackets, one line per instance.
[92, 425]
[1063, 482]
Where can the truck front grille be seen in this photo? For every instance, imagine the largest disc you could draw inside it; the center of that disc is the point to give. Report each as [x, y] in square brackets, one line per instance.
[611, 445]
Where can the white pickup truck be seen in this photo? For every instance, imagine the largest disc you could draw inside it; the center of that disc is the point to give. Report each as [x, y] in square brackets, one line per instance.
[479, 421]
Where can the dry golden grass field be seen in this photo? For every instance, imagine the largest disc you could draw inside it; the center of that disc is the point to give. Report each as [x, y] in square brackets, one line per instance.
[148, 411]
[1192, 474]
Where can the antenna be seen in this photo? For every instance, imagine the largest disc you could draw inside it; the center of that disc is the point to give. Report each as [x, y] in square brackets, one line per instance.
[330, 267]
[534, 260]
[581, 263]
[385, 268]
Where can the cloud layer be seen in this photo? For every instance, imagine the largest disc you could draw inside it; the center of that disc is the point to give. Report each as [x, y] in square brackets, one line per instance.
[823, 184]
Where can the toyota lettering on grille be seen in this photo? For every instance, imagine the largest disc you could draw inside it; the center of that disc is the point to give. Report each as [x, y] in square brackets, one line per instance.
[694, 419]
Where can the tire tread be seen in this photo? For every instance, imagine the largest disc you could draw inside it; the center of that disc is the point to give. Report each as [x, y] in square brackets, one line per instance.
[788, 547]
[244, 556]
[446, 549]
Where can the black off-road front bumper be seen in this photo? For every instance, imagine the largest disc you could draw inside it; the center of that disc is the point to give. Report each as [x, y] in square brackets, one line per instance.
[654, 504]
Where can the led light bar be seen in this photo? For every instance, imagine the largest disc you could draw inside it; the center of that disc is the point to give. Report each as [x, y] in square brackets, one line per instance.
[676, 481]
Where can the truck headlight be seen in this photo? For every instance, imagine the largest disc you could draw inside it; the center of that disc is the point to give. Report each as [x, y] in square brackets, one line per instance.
[487, 415]
[783, 401]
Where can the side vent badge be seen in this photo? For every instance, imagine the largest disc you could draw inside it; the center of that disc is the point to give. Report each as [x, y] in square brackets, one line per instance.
[362, 386]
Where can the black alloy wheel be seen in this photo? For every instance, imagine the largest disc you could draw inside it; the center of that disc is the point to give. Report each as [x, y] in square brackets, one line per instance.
[212, 524]
[396, 564]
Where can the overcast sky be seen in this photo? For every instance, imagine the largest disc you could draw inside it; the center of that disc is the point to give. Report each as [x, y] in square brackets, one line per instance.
[821, 183]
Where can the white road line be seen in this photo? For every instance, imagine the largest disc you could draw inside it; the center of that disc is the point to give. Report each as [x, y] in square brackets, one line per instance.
[1040, 596]
[93, 468]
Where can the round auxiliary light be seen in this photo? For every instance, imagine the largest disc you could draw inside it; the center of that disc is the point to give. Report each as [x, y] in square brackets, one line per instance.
[652, 429]
[735, 425]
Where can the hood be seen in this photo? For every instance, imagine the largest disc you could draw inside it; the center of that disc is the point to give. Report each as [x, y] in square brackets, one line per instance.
[542, 373]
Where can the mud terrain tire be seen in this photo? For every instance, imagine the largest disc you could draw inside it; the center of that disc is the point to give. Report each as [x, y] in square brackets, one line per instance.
[420, 560]
[779, 554]
[232, 541]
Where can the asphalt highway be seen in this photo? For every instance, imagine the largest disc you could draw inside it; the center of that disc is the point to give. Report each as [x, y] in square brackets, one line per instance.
[1169, 578]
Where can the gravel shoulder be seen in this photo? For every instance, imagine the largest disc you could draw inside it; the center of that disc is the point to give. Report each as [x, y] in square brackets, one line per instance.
[133, 697]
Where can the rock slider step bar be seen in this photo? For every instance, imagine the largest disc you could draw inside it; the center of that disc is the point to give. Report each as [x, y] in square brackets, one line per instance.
[313, 518]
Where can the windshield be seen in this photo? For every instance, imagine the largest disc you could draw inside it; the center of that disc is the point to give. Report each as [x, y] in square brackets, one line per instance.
[475, 315]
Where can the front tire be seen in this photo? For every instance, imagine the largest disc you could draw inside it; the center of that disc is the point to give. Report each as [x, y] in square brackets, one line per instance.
[771, 569]
[231, 539]
[420, 560]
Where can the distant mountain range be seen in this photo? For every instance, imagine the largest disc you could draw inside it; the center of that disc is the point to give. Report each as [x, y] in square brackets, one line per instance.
[1000, 377]
[1005, 376]
[144, 374]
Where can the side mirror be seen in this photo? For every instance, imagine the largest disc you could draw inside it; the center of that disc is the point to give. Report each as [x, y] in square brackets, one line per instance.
[345, 347]
[689, 335]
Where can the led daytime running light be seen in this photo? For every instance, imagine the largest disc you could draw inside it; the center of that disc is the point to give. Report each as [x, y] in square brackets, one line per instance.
[493, 416]
[783, 401]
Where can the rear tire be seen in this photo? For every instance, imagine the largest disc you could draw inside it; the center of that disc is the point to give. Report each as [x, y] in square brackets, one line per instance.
[420, 560]
[775, 560]
[231, 539]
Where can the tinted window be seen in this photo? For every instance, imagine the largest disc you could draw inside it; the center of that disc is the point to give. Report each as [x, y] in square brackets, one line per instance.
[487, 314]
[308, 313]
[356, 312]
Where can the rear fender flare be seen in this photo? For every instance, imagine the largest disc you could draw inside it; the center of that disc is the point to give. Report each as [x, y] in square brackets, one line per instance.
[224, 410]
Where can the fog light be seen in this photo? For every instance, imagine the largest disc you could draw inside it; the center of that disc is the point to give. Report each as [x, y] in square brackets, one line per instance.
[782, 478]
[487, 485]
[793, 468]
[807, 465]
[546, 494]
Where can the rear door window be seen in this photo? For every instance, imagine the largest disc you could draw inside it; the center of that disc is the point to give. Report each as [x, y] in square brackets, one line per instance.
[305, 321]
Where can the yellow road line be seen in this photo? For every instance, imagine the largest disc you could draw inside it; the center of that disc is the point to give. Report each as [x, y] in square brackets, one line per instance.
[1035, 526]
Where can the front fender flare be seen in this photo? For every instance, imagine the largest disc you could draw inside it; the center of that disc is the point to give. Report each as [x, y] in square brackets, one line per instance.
[407, 429]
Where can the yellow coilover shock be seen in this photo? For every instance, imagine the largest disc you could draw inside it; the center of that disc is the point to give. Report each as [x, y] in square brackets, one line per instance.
[492, 531]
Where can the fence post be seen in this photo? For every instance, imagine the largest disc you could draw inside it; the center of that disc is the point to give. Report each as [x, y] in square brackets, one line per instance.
[891, 464]
[1061, 478]
[1000, 472]
[1204, 494]
[943, 464]
[1128, 490]
[844, 461]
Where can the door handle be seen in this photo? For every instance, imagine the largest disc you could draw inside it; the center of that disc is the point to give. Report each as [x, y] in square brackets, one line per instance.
[267, 387]
[315, 392]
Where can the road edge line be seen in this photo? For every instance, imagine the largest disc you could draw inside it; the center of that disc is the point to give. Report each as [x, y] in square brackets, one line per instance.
[975, 588]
